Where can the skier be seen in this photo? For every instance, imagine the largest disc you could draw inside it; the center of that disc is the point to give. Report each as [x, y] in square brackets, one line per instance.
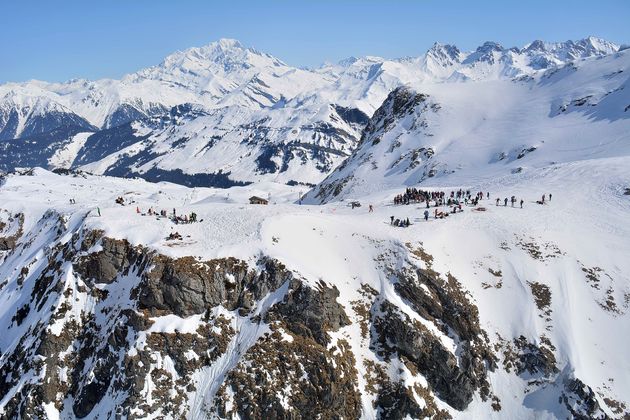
[549, 197]
[99, 211]
[138, 210]
[391, 218]
[407, 221]
[426, 215]
[497, 201]
[370, 209]
[488, 196]
[505, 202]
[543, 199]
[521, 203]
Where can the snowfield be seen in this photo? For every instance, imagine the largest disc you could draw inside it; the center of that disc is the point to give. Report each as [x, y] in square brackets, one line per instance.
[497, 255]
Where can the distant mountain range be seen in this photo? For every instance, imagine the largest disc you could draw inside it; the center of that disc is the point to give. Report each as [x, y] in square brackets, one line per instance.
[455, 133]
[224, 114]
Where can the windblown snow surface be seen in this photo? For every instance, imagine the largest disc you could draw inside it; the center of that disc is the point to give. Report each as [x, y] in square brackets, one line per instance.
[501, 256]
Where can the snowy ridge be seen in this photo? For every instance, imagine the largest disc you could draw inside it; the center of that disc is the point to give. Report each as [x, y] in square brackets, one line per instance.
[542, 300]
[267, 120]
[457, 132]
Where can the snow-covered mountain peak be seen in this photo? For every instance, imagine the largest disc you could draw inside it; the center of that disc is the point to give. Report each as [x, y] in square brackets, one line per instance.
[536, 45]
[485, 53]
[571, 50]
[285, 111]
[400, 102]
[225, 56]
[489, 46]
[599, 45]
[444, 54]
[227, 43]
[346, 62]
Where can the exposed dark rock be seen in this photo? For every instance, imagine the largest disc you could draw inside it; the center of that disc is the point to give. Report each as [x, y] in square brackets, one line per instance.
[8, 242]
[581, 401]
[312, 312]
[116, 257]
[524, 152]
[400, 102]
[444, 303]
[396, 332]
[533, 359]
[315, 382]
[187, 286]
[395, 401]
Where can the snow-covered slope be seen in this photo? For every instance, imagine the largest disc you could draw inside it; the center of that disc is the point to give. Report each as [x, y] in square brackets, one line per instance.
[262, 119]
[315, 311]
[463, 131]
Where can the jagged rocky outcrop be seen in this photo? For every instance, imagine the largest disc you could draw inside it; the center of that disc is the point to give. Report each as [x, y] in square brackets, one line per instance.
[112, 340]
[453, 378]
[103, 328]
[580, 400]
[11, 230]
[382, 151]
[97, 314]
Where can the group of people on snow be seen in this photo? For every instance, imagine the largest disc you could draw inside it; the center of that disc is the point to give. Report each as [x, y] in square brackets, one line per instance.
[175, 218]
[174, 236]
[439, 198]
[513, 201]
[399, 222]
[453, 199]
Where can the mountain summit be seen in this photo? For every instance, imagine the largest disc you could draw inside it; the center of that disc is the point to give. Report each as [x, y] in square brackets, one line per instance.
[269, 120]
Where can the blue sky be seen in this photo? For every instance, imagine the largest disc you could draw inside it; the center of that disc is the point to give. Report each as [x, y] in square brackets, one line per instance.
[59, 40]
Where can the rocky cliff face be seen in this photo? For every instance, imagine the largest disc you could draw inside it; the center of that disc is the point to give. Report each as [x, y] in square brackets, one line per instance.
[103, 317]
[381, 154]
[94, 337]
